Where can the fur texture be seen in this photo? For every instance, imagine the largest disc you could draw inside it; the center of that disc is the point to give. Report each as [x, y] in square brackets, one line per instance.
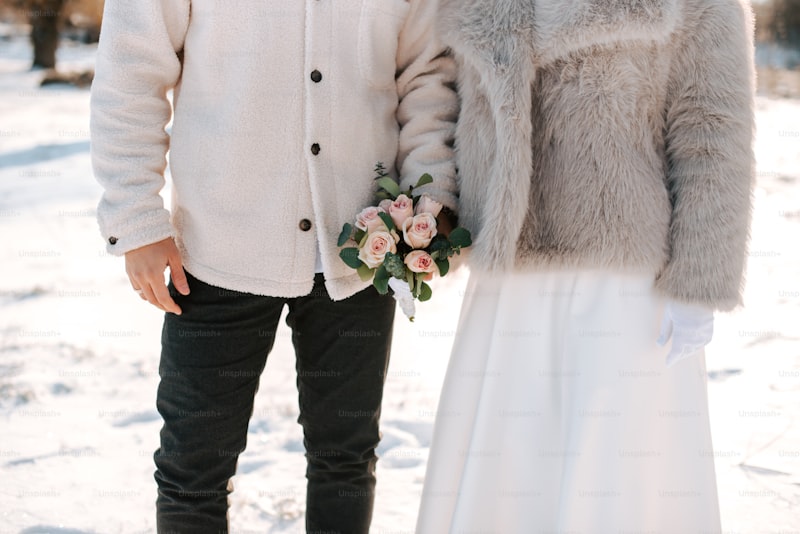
[608, 134]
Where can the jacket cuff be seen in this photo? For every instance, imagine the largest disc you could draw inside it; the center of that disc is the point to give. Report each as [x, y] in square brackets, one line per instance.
[146, 229]
[715, 291]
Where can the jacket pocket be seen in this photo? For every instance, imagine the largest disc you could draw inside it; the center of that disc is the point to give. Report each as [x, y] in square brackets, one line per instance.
[379, 29]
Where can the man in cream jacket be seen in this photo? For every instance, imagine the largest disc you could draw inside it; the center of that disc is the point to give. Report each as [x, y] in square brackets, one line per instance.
[280, 111]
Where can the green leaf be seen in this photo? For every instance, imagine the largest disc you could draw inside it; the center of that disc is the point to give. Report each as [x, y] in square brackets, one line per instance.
[365, 273]
[347, 229]
[411, 281]
[350, 257]
[460, 237]
[390, 186]
[425, 292]
[443, 265]
[383, 195]
[394, 265]
[359, 236]
[381, 280]
[425, 179]
[440, 244]
[387, 220]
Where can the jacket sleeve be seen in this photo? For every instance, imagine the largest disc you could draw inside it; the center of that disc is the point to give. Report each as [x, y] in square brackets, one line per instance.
[710, 173]
[428, 106]
[137, 64]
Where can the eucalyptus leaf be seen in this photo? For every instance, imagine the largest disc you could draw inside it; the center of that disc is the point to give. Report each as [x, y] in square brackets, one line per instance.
[390, 186]
[387, 220]
[358, 236]
[350, 257]
[347, 229]
[439, 243]
[394, 265]
[425, 179]
[444, 266]
[425, 292]
[381, 280]
[381, 273]
[365, 273]
[460, 237]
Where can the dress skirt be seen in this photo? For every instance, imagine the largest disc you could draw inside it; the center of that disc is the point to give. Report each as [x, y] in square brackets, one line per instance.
[558, 414]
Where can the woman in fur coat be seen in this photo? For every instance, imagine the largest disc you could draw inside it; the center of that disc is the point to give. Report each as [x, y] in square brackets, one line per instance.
[606, 169]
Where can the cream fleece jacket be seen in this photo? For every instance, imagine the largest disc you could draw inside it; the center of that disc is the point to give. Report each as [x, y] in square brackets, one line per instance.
[281, 110]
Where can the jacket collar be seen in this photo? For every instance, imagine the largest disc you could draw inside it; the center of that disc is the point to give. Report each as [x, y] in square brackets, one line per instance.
[493, 30]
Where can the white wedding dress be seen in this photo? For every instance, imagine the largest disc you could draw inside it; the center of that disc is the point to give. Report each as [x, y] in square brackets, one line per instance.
[558, 414]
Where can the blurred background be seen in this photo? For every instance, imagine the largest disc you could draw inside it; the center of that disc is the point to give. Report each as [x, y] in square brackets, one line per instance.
[79, 350]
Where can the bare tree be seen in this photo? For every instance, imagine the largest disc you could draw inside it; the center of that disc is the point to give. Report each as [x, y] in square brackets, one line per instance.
[45, 17]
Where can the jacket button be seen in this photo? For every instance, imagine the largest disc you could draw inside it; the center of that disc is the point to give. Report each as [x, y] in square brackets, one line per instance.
[305, 225]
[112, 240]
[316, 76]
[315, 149]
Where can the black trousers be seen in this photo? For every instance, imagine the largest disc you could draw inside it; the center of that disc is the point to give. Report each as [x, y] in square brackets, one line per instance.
[212, 357]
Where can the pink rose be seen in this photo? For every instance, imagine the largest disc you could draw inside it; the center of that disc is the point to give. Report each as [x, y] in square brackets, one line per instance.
[375, 248]
[401, 209]
[384, 204]
[427, 205]
[420, 261]
[419, 230]
[368, 220]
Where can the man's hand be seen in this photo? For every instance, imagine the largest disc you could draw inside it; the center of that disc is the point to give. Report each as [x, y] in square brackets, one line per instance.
[145, 267]
[445, 221]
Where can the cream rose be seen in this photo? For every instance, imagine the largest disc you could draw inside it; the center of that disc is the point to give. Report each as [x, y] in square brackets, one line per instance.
[427, 205]
[420, 261]
[384, 204]
[401, 209]
[368, 220]
[419, 230]
[375, 248]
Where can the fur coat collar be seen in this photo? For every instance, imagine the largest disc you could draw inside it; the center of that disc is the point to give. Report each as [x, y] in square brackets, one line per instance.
[496, 31]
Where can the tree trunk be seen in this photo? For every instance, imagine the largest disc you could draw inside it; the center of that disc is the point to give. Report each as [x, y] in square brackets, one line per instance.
[44, 17]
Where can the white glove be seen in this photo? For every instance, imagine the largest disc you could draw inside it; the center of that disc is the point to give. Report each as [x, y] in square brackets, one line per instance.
[691, 327]
[402, 294]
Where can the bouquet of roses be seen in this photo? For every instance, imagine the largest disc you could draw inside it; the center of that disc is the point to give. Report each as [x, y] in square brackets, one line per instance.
[395, 244]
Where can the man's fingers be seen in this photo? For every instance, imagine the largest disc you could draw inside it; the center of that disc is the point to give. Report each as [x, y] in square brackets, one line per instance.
[149, 296]
[163, 298]
[177, 274]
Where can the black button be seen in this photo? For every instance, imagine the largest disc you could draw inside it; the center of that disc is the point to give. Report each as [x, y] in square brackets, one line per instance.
[112, 240]
[316, 76]
[305, 225]
[315, 149]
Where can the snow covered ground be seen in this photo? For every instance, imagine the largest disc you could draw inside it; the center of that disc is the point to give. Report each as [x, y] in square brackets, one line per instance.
[79, 351]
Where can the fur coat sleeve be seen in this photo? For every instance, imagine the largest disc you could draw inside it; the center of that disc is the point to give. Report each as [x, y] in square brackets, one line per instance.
[710, 163]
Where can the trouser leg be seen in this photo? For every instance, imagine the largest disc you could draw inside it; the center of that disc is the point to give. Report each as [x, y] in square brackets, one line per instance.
[342, 355]
[211, 361]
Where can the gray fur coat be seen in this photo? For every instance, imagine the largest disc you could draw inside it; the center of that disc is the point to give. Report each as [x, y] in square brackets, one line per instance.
[608, 134]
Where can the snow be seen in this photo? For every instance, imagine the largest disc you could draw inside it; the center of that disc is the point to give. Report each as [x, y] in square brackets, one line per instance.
[79, 351]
